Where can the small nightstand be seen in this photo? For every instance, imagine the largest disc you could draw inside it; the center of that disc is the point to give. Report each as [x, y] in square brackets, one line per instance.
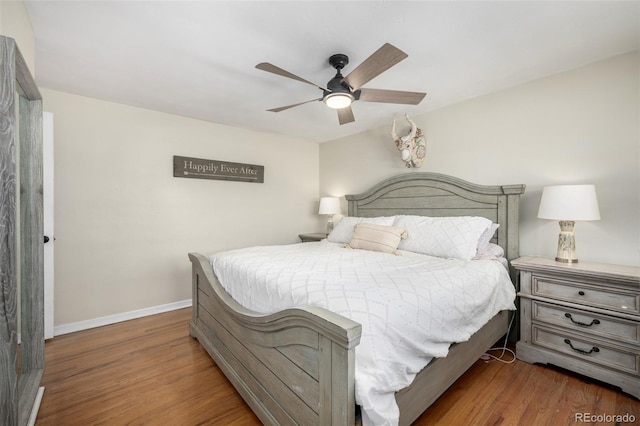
[312, 237]
[584, 317]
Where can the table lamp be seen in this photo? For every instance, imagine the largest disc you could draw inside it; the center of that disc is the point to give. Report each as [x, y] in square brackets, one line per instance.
[568, 204]
[329, 206]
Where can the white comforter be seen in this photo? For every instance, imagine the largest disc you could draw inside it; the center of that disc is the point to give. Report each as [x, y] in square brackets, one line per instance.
[411, 307]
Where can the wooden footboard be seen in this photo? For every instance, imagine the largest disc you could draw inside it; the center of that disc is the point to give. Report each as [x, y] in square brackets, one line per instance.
[292, 367]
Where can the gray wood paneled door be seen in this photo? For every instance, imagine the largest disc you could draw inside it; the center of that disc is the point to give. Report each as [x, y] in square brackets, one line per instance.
[21, 237]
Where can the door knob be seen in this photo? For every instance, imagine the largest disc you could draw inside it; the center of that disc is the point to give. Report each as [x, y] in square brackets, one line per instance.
[46, 239]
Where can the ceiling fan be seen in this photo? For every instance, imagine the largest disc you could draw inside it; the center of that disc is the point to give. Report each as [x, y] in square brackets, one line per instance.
[340, 92]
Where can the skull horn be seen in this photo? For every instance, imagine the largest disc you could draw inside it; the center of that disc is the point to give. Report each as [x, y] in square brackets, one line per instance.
[414, 128]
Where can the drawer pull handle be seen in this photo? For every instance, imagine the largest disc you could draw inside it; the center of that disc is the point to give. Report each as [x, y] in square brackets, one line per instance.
[581, 293]
[593, 349]
[595, 321]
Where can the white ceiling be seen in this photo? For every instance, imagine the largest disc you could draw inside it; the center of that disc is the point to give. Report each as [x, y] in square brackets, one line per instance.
[197, 59]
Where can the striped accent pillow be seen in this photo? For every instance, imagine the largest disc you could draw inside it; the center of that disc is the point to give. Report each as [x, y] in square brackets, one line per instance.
[368, 236]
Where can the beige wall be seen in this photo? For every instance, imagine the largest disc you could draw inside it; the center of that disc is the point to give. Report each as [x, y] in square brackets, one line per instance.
[124, 224]
[580, 126]
[15, 23]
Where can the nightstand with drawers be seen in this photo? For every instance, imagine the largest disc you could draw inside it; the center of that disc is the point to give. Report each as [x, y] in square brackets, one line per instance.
[584, 317]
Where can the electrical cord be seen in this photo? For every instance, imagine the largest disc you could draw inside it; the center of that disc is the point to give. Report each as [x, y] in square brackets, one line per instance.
[488, 357]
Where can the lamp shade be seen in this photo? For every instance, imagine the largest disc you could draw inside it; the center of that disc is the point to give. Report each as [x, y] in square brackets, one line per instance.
[569, 202]
[329, 205]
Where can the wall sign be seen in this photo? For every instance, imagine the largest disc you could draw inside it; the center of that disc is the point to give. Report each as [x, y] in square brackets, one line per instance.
[198, 168]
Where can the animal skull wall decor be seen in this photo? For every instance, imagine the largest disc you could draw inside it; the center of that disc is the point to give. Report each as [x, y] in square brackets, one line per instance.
[413, 146]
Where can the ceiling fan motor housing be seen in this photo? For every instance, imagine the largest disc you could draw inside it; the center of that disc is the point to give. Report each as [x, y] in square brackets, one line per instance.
[335, 85]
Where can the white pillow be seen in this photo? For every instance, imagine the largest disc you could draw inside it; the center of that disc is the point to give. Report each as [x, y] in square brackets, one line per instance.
[450, 237]
[368, 236]
[343, 230]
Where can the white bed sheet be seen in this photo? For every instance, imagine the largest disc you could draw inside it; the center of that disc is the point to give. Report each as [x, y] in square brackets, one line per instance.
[411, 307]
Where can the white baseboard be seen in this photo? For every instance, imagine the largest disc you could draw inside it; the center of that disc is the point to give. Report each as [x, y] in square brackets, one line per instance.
[112, 319]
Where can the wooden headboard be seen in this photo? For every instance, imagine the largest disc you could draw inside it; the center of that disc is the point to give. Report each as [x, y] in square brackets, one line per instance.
[434, 194]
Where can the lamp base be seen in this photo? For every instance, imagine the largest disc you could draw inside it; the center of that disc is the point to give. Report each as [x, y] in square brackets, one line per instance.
[566, 243]
[330, 224]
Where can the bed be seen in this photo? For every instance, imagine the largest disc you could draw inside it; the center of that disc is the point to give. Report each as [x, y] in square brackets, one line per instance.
[297, 366]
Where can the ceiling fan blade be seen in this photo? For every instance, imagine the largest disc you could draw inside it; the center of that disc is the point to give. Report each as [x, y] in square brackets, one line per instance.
[345, 115]
[265, 66]
[391, 96]
[380, 61]
[282, 108]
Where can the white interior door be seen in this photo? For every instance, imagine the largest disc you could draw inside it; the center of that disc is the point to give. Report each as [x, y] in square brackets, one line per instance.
[47, 178]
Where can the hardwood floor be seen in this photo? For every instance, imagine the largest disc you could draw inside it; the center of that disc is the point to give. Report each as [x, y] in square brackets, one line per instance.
[149, 371]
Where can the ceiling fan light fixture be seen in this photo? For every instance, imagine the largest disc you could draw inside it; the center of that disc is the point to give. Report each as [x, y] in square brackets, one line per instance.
[338, 100]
